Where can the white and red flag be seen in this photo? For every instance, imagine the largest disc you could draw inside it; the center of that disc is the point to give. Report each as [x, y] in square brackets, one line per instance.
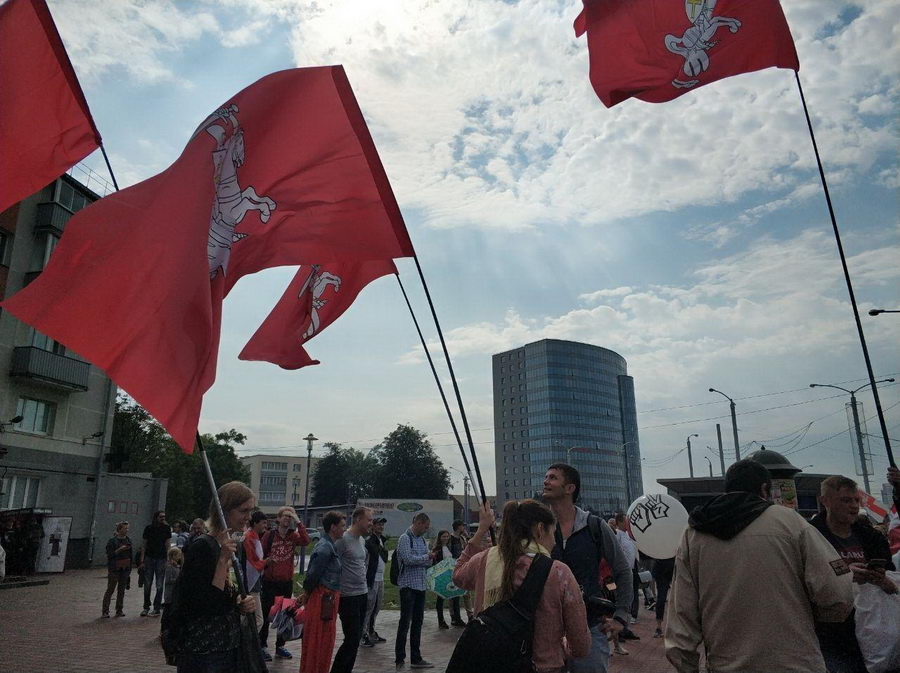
[283, 173]
[316, 297]
[45, 124]
[657, 50]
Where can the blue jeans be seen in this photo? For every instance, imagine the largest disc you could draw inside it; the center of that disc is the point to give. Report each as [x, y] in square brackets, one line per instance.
[412, 613]
[597, 660]
[212, 662]
[154, 568]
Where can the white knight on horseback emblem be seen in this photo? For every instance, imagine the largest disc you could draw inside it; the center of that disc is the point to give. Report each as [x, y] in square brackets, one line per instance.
[697, 39]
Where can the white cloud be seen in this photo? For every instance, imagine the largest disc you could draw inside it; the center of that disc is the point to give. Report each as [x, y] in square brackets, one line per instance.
[591, 297]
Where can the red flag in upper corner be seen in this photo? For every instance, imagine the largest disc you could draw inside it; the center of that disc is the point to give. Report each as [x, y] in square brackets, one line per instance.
[45, 124]
[315, 298]
[657, 50]
[284, 172]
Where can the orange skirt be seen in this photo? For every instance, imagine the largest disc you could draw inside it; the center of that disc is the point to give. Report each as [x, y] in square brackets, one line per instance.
[318, 636]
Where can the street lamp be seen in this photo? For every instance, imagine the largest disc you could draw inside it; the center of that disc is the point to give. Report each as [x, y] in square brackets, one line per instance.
[12, 421]
[859, 439]
[737, 448]
[878, 311]
[309, 447]
[710, 465]
[465, 495]
[690, 458]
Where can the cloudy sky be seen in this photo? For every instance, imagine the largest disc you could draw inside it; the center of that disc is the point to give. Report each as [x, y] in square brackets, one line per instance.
[690, 237]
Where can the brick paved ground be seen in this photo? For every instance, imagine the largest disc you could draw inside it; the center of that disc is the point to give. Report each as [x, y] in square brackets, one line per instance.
[56, 629]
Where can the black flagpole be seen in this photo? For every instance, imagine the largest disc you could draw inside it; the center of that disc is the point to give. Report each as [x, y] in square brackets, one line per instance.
[840, 246]
[437, 380]
[109, 167]
[462, 411]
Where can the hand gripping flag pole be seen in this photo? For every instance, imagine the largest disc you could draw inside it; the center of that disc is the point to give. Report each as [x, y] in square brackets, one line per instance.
[840, 247]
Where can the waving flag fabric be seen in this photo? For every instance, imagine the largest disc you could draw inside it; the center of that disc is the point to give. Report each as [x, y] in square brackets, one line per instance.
[316, 297]
[657, 50]
[45, 124]
[284, 172]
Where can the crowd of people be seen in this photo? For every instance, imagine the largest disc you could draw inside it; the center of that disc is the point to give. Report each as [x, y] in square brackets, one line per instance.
[751, 581]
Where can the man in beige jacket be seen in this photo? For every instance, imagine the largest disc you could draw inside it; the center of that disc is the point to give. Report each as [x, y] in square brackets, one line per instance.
[750, 578]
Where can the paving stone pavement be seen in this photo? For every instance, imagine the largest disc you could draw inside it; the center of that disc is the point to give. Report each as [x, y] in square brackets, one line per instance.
[56, 628]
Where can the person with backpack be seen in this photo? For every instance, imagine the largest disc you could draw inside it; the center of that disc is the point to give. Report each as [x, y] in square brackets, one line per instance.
[278, 577]
[411, 558]
[582, 541]
[557, 628]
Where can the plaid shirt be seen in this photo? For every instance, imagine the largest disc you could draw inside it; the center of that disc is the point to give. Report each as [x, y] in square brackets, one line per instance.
[414, 559]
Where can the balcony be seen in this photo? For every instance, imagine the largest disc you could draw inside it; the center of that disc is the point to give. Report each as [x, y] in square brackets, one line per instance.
[51, 218]
[58, 371]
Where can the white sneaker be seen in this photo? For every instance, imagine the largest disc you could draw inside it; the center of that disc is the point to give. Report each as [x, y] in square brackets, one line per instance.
[633, 620]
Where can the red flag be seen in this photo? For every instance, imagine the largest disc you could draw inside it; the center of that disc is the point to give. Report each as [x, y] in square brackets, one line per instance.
[316, 297]
[45, 124]
[284, 172]
[657, 50]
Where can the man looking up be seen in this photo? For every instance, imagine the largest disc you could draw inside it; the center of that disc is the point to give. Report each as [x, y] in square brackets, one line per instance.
[749, 580]
[351, 550]
[414, 558]
[582, 541]
[857, 544]
[376, 548]
[153, 560]
[278, 578]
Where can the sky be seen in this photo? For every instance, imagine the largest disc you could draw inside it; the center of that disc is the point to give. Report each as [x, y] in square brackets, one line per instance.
[690, 237]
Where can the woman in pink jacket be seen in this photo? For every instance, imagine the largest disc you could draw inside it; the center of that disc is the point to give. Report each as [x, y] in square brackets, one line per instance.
[560, 623]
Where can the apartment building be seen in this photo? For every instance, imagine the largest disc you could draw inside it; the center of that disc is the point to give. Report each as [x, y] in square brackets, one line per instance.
[279, 480]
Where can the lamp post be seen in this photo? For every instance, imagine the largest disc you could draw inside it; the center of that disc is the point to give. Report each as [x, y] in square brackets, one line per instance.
[690, 458]
[737, 448]
[309, 447]
[465, 495]
[710, 465]
[859, 438]
[878, 311]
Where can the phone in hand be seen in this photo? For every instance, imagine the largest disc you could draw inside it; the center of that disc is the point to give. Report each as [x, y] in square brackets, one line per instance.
[876, 564]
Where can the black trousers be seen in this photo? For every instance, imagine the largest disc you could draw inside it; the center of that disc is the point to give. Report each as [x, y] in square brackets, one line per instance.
[269, 591]
[454, 610]
[352, 611]
[412, 614]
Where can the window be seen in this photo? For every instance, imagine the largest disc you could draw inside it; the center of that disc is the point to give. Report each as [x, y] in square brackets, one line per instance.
[5, 247]
[70, 197]
[134, 508]
[123, 507]
[44, 245]
[19, 491]
[44, 342]
[271, 497]
[269, 480]
[37, 416]
[298, 467]
[281, 467]
[111, 507]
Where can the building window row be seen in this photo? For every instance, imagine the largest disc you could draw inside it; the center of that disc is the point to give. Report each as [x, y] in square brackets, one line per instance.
[271, 497]
[268, 465]
[122, 507]
[37, 416]
[18, 491]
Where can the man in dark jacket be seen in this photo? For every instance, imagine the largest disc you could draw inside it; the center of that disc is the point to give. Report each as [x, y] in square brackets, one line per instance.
[582, 540]
[377, 554]
[858, 545]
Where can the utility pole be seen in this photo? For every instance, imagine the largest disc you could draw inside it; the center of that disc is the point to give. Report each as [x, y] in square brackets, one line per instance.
[690, 457]
[859, 442]
[737, 446]
[721, 451]
[466, 501]
[309, 447]
[710, 465]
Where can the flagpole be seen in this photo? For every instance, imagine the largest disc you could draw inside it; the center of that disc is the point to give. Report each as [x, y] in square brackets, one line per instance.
[235, 564]
[109, 167]
[437, 379]
[462, 410]
[840, 247]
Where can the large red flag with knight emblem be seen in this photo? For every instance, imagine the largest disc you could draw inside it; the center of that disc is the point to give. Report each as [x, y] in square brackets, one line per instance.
[283, 173]
[45, 124]
[657, 50]
[316, 297]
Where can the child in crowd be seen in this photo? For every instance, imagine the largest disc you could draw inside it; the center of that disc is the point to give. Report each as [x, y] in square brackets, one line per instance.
[174, 559]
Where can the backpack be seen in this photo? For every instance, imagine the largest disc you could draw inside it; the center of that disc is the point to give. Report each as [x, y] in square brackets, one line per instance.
[395, 569]
[499, 639]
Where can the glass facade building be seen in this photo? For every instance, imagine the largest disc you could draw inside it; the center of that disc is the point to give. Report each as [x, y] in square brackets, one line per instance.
[563, 401]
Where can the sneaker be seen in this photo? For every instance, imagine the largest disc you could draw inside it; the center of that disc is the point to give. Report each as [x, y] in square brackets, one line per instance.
[366, 642]
[120, 614]
[399, 666]
[282, 653]
[618, 649]
[266, 655]
[443, 625]
[650, 604]
[105, 615]
[458, 622]
[421, 664]
[628, 634]
[658, 633]
[633, 620]
[375, 638]
[145, 612]
[155, 613]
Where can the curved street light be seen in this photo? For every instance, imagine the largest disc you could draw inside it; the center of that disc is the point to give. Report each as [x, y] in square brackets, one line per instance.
[737, 447]
[690, 458]
[879, 311]
[710, 465]
[859, 438]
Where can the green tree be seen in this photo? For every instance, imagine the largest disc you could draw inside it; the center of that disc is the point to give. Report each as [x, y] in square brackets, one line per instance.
[342, 473]
[410, 468]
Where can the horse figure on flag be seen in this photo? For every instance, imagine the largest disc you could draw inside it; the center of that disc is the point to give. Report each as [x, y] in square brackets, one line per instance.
[698, 39]
[231, 202]
[319, 281]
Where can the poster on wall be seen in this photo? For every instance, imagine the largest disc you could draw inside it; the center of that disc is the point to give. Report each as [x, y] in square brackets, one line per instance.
[52, 553]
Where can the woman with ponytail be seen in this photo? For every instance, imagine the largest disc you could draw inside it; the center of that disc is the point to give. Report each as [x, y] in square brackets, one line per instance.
[495, 574]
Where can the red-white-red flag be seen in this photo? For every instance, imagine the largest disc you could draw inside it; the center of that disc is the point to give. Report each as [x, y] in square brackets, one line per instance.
[657, 50]
[45, 124]
[284, 172]
[316, 297]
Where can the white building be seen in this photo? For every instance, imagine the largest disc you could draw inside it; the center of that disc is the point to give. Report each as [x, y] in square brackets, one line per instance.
[279, 480]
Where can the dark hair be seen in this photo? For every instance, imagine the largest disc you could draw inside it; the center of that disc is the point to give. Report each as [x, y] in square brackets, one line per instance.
[437, 540]
[257, 516]
[747, 475]
[456, 524]
[570, 474]
[620, 517]
[331, 519]
[421, 516]
[519, 517]
[157, 513]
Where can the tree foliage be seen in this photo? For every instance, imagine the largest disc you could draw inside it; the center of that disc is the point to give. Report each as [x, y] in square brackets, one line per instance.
[410, 468]
[141, 444]
[342, 473]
